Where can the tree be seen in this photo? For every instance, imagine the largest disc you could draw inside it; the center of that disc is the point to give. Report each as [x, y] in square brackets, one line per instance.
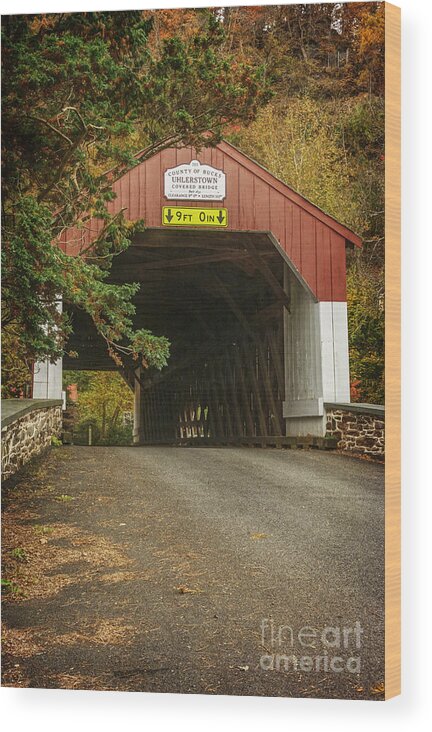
[16, 368]
[103, 398]
[325, 50]
[301, 144]
[367, 332]
[81, 93]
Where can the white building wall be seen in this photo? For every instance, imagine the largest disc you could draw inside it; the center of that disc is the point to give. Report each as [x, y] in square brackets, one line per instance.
[47, 380]
[334, 351]
[48, 377]
[341, 352]
[316, 359]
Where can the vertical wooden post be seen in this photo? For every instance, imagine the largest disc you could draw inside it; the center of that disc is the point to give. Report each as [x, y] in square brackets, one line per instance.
[215, 404]
[255, 388]
[234, 396]
[240, 373]
[227, 406]
[271, 403]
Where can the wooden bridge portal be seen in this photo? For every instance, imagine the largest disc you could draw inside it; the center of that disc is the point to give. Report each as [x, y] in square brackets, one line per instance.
[252, 299]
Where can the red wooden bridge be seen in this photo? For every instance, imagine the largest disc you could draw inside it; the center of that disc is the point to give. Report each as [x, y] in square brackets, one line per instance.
[252, 298]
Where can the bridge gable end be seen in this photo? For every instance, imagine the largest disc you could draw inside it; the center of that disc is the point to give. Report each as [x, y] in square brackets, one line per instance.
[255, 200]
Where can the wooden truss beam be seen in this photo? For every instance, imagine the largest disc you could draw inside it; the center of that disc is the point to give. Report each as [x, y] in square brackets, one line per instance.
[268, 275]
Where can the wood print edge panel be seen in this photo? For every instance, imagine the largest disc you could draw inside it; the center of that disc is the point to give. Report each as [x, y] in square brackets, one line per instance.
[392, 352]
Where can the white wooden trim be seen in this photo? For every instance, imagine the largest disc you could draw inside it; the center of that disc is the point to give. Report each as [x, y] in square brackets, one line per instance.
[48, 380]
[327, 350]
[341, 353]
[48, 377]
[334, 351]
[304, 408]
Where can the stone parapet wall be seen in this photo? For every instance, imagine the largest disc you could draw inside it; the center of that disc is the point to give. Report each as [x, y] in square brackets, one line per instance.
[29, 435]
[358, 428]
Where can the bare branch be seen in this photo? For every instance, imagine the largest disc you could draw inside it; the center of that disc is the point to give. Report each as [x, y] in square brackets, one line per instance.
[51, 127]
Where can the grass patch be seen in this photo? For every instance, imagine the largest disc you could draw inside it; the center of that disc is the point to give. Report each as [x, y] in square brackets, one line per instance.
[10, 587]
[41, 530]
[19, 554]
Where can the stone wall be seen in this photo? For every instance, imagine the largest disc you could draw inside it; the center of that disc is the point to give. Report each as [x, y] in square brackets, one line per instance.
[28, 435]
[358, 428]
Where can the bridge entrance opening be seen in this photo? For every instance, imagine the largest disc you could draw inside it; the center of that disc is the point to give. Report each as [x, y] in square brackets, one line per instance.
[221, 299]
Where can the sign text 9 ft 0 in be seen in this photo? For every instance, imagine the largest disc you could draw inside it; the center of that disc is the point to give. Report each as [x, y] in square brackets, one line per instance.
[190, 216]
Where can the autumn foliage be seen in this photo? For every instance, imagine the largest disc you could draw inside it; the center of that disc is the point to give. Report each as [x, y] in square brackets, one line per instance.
[298, 87]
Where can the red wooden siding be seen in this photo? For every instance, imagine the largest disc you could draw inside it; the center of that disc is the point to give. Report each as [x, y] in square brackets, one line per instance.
[256, 201]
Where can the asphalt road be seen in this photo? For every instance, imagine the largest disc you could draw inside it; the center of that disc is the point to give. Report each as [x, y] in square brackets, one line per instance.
[195, 571]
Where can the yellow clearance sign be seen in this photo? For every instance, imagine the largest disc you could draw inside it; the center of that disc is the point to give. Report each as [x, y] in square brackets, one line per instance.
[189, 216]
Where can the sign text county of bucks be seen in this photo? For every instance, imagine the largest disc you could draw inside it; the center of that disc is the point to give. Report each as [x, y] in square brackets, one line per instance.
[194, 182]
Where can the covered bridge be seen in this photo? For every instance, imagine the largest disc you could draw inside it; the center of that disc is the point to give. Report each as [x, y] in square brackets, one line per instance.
[247, 279]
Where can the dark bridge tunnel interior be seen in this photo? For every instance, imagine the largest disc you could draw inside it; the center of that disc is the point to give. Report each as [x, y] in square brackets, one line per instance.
[219, 299]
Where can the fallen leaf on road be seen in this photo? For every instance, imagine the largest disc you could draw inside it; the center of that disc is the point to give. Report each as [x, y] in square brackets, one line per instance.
[187, 590]
[257, 537]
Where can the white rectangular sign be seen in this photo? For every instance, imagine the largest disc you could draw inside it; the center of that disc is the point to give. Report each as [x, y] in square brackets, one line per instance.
[194, 182]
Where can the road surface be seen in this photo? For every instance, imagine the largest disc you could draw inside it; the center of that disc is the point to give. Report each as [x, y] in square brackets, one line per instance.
[197, 570]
